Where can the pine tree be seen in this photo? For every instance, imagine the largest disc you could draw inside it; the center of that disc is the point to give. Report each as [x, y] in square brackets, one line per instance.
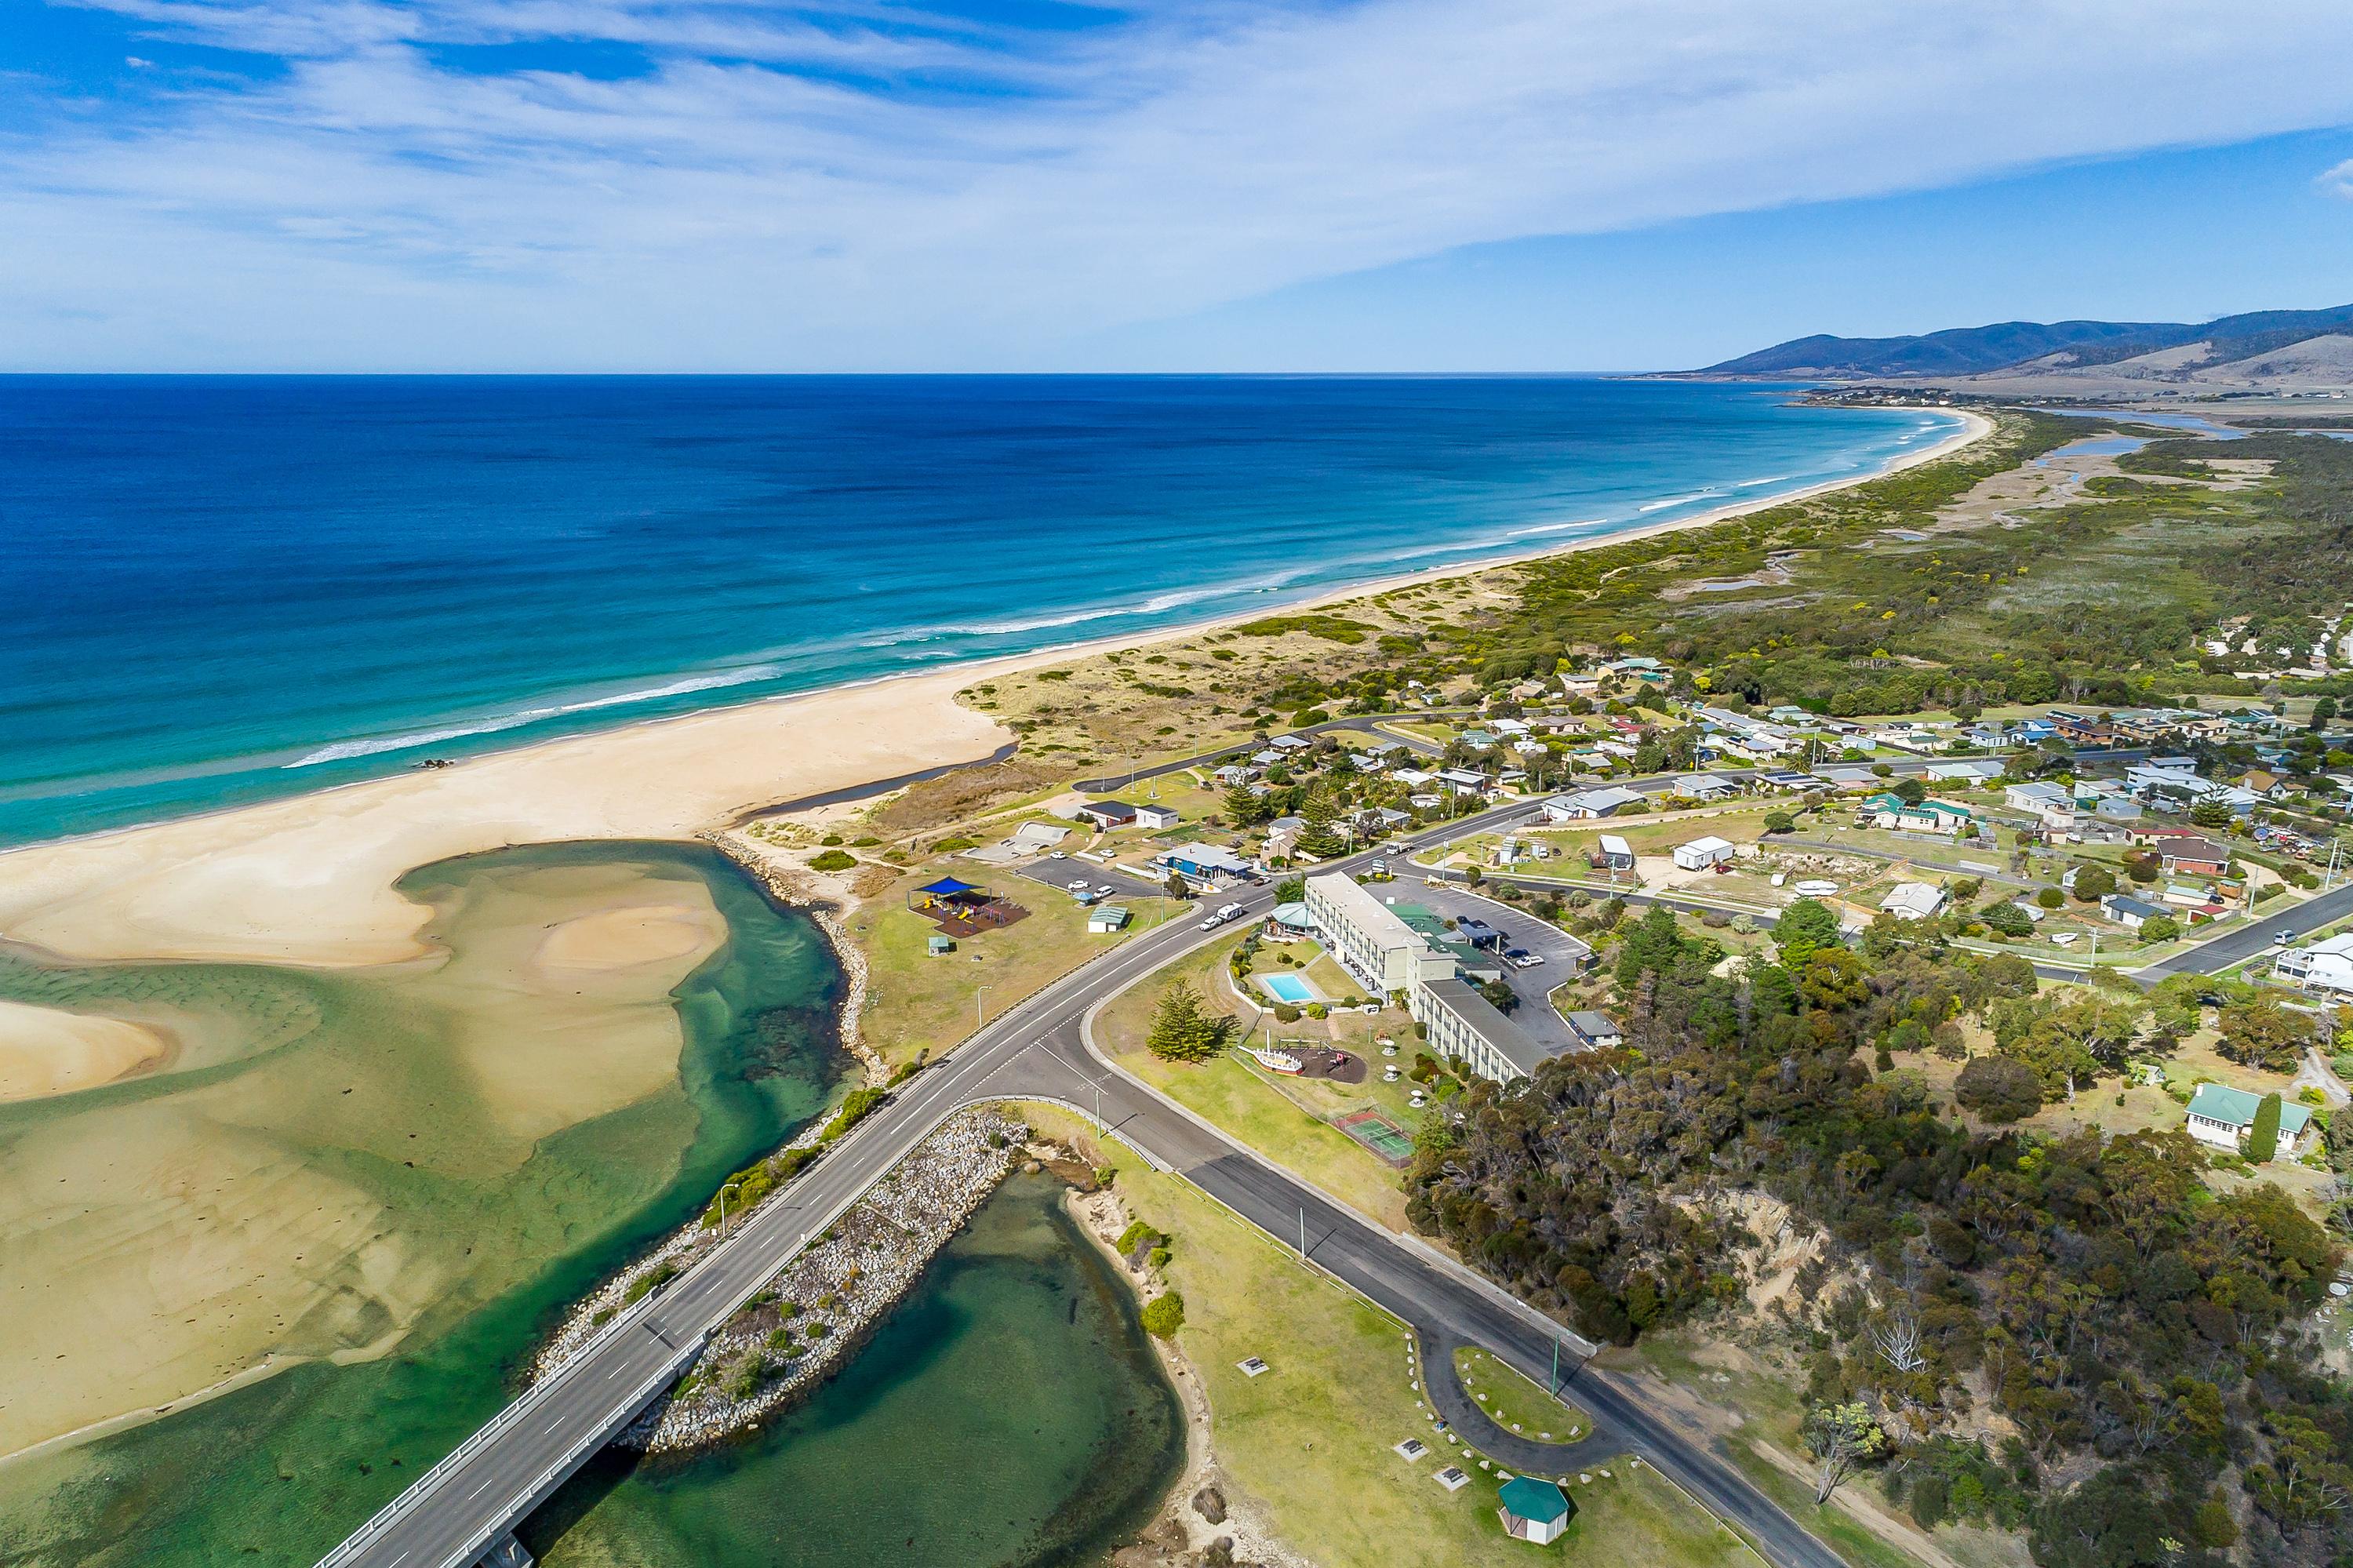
[2263, 1138]
[1182, 1029]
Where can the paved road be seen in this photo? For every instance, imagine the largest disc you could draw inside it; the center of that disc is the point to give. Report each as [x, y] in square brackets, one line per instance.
[462, 1506]
[2233, 947]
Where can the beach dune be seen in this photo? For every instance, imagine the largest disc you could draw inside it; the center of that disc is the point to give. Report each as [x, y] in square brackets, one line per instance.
[310, 880]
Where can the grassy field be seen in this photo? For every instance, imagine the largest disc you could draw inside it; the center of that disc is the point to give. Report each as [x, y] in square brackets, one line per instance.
[916, 1003]
[1516, 1402]
[1309, 1443]
[1235, 1098]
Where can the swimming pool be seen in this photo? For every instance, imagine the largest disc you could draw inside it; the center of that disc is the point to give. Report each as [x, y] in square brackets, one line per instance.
[1288, 987]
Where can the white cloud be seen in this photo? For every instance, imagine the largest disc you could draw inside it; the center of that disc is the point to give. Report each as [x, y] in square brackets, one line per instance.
[881, 188]
[2338, 181]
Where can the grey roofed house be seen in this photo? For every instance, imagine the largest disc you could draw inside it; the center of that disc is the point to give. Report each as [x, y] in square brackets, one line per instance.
[1848, 775]
[1703, 785]
[1595, 1029]
[1290, 742]
[2130, 911]
[1784, 780]
[1980, 769]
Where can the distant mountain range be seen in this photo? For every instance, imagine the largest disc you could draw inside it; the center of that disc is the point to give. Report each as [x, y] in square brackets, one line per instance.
[2287, 348]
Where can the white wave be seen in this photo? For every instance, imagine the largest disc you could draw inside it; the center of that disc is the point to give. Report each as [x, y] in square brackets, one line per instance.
[1556, 528]
[1676, 501]
[345, 750]
[1753, 483]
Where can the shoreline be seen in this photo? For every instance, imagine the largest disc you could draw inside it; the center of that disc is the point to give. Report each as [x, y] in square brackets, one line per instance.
[308, 879]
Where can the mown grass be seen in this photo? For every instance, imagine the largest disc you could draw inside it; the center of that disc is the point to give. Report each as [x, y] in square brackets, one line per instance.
[1308, 1444]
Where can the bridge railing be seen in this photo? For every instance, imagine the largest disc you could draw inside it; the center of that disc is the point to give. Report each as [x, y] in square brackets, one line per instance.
[513, 1411]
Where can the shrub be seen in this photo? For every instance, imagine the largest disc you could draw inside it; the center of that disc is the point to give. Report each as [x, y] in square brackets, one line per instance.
[1286, 1013]
[646, 1283]
[2263, 1138]
[1930, 1500]
[855, 1106]
[2159, 929]
[1164, 1315]
[1999, 1089]
[833, 860]
[2051, 898]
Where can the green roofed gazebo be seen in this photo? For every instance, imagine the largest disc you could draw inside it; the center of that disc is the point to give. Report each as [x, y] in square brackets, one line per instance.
[1534, 1512]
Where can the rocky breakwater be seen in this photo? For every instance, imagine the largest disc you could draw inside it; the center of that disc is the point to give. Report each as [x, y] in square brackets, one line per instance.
[805, 1322]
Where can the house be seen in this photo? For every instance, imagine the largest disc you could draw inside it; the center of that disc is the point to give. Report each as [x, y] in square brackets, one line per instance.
[1234, 775]
[2038, 798]
[1533, 1510]
[1511, 729]
[2324, 966]
[2223, 1116]
[1914, 901]
[1155, 817]
[1967, 770]
[1848, 775]
[1207, 865]
[1793, 783]
[1462, 781]
[2269, 785]
[1108, 814]
[1611, 853]
[1701, 855]
[1105, 919]
[1594, 1031]
[1892, 812]
[1580, 686]
[1704, 787]
[1293, 744]
[1989, 733]
[2130, 913]
[1266, 759]
[1586, 804]
[2192, 856]
[1412, 777]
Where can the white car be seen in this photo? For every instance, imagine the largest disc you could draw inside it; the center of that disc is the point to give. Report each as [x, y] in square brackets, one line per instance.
[1080, 885]
[1104, 887]
[1060, 854]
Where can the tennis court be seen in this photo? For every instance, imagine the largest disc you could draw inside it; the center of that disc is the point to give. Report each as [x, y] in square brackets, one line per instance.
[1379, 1133]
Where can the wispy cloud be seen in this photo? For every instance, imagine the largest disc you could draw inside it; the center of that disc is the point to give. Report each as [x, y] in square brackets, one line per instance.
[2338, 181]
[884, 186]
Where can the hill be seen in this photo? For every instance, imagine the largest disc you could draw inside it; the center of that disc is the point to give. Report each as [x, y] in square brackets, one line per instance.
[2253, 349]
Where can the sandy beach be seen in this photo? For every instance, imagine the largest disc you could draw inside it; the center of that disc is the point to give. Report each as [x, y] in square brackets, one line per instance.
[309, 880]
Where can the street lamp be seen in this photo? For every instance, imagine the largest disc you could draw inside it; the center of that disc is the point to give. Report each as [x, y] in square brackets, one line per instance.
[978, 992]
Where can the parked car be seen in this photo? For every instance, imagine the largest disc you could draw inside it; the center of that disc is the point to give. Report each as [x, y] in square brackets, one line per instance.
[1520, 957]
[1077, 885]
[1060, 854]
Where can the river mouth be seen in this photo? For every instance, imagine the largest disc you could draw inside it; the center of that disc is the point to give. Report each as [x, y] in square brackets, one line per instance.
[1008, 1413]
[370, 1192]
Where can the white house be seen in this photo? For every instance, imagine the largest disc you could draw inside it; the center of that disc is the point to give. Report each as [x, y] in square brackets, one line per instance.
[1614, 855]
[1701, 854]
[2222, 1117]
[1704, 787]
[2324, 966]
[1914, 901]
[1586, 804]
[1155, 817]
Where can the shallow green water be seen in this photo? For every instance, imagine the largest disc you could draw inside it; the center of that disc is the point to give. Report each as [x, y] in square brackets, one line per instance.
[277, 1472]
[1010, 1413]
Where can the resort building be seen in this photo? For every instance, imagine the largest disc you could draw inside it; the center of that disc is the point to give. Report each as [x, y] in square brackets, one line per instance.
[1459, 1022]
[1370, 940]
[2222, 1117]
[1533, 1510]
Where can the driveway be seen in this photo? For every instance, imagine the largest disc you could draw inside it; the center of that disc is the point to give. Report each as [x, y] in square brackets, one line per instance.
[1533, 987]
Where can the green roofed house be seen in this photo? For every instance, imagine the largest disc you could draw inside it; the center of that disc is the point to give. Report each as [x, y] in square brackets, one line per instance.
[2221, 1116]
[1534, 1512]
[1888, 810]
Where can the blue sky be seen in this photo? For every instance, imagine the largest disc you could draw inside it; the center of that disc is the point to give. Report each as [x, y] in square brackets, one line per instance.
[1505, 184]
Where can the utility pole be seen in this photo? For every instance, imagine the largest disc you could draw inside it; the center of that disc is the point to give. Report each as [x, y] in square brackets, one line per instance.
[1302, 1235]
[978, 992]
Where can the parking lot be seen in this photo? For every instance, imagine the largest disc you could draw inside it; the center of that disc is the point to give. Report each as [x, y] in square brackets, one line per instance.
[1059, 874]
[1561, 952]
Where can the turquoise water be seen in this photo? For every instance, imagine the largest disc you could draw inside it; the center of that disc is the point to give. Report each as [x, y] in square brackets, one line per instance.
[1008, 1415]
[275, 1474]
[229, 589]
[1288, 987]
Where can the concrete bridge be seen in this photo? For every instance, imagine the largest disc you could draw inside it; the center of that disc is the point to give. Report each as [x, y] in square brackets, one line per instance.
[464, 1510]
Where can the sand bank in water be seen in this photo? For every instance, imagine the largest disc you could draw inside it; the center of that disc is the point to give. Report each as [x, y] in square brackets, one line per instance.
[45, 1051]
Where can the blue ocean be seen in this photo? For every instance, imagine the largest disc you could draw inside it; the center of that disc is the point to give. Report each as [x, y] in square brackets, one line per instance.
[220, 589]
